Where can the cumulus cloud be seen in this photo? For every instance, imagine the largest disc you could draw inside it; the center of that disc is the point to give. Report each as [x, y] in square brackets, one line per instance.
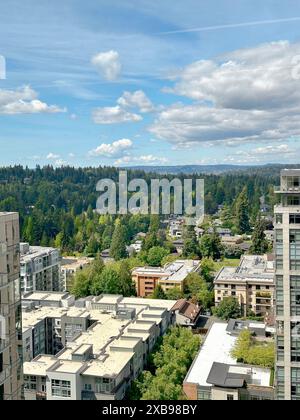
[24, 101]
[271, 153]
[108, 64]
[250, 94]
[115, 149]
[114, 115]
[52, 156]
[137, 99]
[144, 159]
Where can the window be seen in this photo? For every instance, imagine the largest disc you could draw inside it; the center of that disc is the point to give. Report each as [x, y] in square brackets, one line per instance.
[87, 387]
[278, 219]
[280, 348]
[293, 201]
[279, 263]
[230, 397]
[279, 282]
[295, 386]
[279, 297]
[279, 242]
[293, 182]
[295, 219]
[61, 388]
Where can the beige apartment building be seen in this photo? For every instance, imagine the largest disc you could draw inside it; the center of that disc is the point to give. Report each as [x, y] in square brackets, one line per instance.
[251, 283]
[170, 276]
[10, 309]
[104, 342]
[287, 248]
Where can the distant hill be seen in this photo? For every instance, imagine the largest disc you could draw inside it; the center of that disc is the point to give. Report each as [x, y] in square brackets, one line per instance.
[212, 169]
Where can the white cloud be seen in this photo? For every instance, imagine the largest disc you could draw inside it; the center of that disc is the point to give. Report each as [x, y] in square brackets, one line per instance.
[144, 159]
[255, 78]
[24, 101]
[114, 115]
[52, 156]
[275, 153]
[108, 64]
[249, 95]
[137, 99]
[115, 149]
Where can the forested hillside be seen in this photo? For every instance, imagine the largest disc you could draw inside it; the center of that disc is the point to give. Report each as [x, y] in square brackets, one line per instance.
[56, 204]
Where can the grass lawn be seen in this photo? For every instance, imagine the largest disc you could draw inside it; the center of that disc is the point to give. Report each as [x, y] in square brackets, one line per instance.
[227, 262]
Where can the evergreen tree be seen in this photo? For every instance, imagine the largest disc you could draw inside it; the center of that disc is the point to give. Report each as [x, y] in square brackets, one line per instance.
[28, 230]
[118, 243]
[191, 246]
[211, 246]
[227, 217]
[158, 293]
[127, 286]
[242, 212]
[260, 244]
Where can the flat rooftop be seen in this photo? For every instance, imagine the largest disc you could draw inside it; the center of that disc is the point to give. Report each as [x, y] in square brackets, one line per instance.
[109, 299]
[46, 296]
[39, 365]
[216, 348]
[214, 364]
[110, 366]
[72, 263]
[235, 376]
[251, 268]
[67, 367]
[36, 251]
[175, 271]
[112, 340]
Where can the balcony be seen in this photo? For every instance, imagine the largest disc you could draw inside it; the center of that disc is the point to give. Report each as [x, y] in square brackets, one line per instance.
[282, 189]
[264, 295]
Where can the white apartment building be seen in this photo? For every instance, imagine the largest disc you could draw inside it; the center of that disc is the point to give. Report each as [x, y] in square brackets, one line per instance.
[11, 377]
[251, 283]
[287, 248]
[40, 269]
[105, 342]
[216, 375]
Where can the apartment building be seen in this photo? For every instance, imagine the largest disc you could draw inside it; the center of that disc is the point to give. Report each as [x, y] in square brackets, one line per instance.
[216, 375]
[287, 248]
[42, 334]
[11, 378]
[105, 342]
[170, 276]
[252, 283]
[70, 266]
[40, 269]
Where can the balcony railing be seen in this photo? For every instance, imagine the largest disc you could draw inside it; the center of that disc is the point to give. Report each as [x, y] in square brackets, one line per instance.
[263, 295]
[286, 189]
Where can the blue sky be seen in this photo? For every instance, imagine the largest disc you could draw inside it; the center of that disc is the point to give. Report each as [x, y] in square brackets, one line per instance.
[145, 82]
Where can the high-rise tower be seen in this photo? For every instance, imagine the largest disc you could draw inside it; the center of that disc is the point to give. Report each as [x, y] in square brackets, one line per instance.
[287, 249]
[10, 309]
